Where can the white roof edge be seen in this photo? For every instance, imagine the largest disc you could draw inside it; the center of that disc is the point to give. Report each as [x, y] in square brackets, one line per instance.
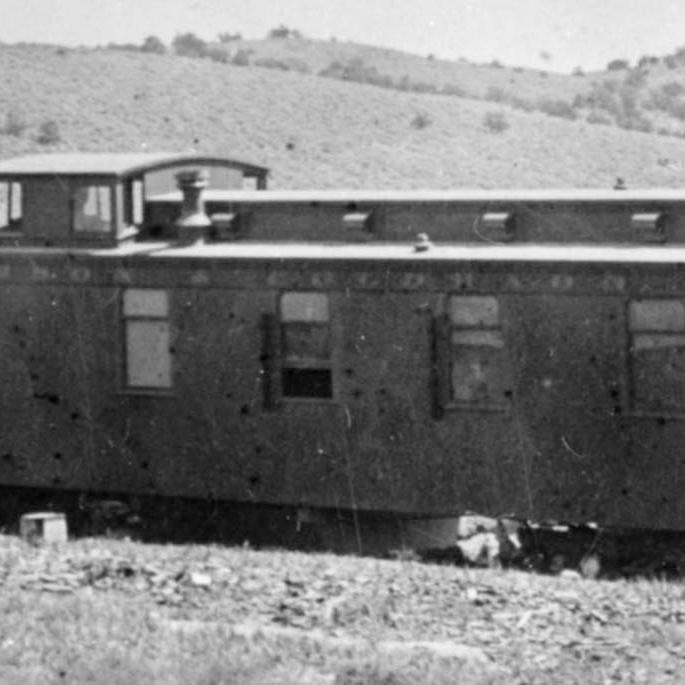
[463, 195]
[110, 164]
[442, 252]
[375, 253]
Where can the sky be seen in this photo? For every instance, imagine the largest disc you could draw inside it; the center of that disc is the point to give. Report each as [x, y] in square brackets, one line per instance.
[557, 35]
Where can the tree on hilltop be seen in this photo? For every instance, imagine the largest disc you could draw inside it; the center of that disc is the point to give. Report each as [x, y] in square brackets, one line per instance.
[618, 65]
[282, 31]
[189, 45]
[154, 45]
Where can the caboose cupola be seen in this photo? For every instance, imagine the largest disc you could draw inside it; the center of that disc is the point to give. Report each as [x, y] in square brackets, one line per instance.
[101, 199]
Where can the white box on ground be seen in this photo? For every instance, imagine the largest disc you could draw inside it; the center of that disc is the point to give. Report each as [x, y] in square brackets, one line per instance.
[44, 526]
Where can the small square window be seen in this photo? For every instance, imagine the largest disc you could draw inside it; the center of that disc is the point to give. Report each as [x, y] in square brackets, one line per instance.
[304, 307]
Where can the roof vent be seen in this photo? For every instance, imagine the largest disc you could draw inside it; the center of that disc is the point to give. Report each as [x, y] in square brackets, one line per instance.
[193, 224]
[496, 227]
[357, 221]
[649, 227]
[423, 243]
[620, 184]
[226, 226]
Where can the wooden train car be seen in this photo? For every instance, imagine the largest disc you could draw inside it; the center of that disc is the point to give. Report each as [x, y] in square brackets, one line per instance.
[392, 353]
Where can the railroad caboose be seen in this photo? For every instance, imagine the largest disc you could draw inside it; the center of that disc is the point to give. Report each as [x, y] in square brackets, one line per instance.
[353, 355]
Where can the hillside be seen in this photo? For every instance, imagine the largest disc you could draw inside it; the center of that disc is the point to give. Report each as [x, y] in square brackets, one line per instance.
[404, 70]
[311, 131]
[648, 96]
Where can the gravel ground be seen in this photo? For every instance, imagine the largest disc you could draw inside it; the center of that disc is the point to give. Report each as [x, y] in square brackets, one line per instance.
[530, 628]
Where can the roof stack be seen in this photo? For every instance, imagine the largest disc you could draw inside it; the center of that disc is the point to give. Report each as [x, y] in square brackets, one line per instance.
[193, 224]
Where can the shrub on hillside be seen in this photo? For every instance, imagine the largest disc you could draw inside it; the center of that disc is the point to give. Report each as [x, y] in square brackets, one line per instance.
[282, 64]
[598, 118]
[189, 45]
[558, 108]
[422, 87]
[635, 122]
[521, 103]
[357, 71]
[673, 88]
[619, 100]
[123, 47]
[15, 124]
[676, 109]
[48, 133]
[282, 31]
[421, 120]
[242, 58]
[153, 45]
[629, 101]
[271, 63]
[647, 61]
[495, 122]
[453, 89]
[403, 84]
[496, 94]
[228, 37]
[618, 65]
[636, 77]
[679, 55]
[217, 53]
[669, 99]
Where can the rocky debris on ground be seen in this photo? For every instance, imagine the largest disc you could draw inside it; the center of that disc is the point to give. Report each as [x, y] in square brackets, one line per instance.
[513, 617]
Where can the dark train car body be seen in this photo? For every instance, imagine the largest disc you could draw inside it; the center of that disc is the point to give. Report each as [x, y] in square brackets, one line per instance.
[306, 350]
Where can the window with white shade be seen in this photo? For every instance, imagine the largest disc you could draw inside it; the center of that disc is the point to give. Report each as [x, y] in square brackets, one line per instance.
[147, 339]
[479, 372]
[134, 202]
[657, 354]
[10, 206]
[92, 209]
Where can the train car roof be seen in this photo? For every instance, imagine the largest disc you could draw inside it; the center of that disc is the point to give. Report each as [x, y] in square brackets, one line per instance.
[404, 252]
[371, 253]
[114, 164]
[413, 196]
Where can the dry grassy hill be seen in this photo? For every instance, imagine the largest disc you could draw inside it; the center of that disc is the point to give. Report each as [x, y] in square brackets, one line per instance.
[312, 131]
[648, 96]
[405, 70]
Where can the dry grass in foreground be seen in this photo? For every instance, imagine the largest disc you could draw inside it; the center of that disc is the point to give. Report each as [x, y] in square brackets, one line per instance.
[98, 611]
